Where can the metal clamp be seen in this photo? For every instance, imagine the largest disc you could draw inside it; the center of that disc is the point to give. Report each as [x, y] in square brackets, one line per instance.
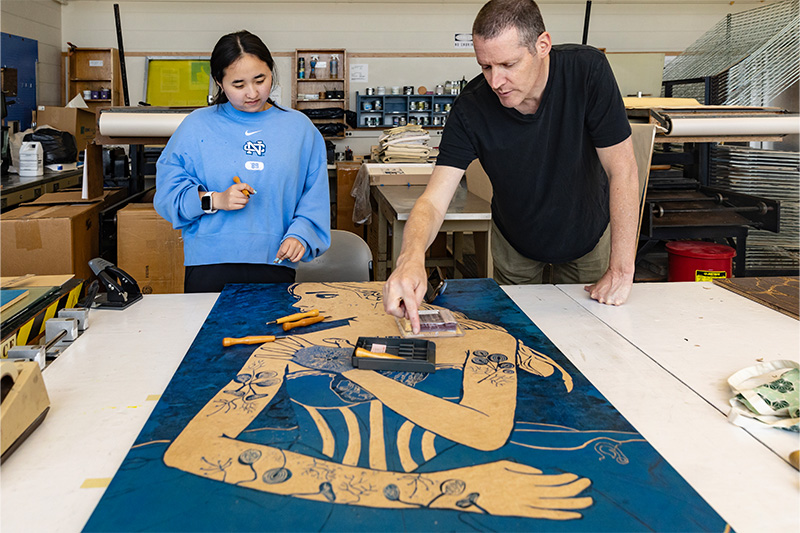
[29, 352]
[81, 314]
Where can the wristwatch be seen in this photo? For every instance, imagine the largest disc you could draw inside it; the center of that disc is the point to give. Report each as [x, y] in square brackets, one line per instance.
[207, 204]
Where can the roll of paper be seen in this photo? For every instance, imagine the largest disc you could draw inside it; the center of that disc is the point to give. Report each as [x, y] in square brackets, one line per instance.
[702, 127]
[140, 124]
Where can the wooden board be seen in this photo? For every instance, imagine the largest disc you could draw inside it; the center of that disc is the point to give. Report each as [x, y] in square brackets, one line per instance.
[9, 297]
[346, 173]
[777, 292]
[35, 281]
[506, 435]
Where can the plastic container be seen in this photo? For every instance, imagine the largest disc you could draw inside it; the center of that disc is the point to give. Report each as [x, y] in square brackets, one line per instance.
[401, 355]
[334, 70]
[31, 160]
[699, 261]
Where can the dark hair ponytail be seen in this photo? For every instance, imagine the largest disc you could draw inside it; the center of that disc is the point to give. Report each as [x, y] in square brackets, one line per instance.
[230, 48]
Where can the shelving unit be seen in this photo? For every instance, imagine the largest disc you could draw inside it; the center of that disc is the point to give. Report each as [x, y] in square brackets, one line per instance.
[311, 93]
[380, 111]
[94, 69]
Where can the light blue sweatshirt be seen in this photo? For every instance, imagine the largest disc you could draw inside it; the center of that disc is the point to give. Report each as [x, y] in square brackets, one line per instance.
[278, 152]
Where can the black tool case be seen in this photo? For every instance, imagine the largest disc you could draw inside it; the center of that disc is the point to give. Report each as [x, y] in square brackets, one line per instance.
[419, 355]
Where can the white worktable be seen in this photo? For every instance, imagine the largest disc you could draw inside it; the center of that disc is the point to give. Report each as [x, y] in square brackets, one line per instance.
[102, 390]
[663, 360]
[672, 390]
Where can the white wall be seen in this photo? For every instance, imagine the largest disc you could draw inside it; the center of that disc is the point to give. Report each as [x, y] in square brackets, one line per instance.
[407, 31]
[364, 28]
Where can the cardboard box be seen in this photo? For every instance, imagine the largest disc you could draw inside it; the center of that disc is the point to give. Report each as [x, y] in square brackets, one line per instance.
[58, 233]
[111, 196]
[149, 249]
[399, 174]
[50, 239]
[78, 121]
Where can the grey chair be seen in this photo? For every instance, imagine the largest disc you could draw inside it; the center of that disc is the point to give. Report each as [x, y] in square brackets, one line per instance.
[348, 259]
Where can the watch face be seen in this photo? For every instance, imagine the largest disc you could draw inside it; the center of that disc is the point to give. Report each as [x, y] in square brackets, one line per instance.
[205, 203]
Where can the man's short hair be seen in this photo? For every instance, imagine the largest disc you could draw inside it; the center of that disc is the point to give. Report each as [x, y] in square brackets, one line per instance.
[496, 16]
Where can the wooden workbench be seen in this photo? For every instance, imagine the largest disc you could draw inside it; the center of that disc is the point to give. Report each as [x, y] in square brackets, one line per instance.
[466, 213]
[16, 190]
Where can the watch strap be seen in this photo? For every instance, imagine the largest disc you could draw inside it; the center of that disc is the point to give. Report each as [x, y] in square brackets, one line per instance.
[210, 203]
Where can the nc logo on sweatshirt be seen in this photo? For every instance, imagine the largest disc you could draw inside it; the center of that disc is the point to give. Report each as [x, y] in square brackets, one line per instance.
[255, 148]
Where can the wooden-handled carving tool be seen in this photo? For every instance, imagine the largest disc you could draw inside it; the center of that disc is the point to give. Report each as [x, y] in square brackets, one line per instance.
[361, 352]
[296, 316]
[304, 322]
[254, 339]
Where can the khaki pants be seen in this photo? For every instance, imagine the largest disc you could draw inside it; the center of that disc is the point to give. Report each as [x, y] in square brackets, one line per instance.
[511, 268]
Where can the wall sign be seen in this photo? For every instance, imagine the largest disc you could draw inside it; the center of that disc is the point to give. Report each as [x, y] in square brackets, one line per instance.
[359, 72]
[462, 40]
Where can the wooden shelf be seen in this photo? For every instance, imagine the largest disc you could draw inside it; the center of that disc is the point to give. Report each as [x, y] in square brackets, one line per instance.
[321, 84]
[93, 69]
[321, 100]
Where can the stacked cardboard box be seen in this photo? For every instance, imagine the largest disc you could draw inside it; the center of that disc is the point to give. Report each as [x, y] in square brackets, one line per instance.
[57, 234]
[149, 249]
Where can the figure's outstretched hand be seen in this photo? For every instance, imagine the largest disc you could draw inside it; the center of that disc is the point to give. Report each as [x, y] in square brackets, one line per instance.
[512, 489]
[404, 290]
[612, 289]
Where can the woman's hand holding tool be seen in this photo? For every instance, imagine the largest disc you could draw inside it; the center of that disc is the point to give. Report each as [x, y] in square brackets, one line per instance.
[247, 191]
[290, 249]
[232, 198]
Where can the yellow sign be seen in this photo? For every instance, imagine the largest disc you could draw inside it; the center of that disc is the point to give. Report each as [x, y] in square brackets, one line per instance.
[709, 275]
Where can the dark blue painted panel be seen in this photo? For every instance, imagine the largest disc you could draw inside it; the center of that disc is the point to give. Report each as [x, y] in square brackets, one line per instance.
[22, 54]
[556, 431]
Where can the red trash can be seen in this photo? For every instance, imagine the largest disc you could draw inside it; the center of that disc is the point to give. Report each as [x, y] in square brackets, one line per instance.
[699, 261]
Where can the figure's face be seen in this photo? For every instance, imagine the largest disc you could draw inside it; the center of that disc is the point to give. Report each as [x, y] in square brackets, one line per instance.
[332, 296]
[516, 74]
[312, 295]
[247, 83]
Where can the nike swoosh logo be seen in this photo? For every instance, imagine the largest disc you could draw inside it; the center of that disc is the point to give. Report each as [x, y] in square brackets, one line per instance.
[249, 133]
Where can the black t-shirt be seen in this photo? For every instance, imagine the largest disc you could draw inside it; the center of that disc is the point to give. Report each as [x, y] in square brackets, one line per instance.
[550, 190]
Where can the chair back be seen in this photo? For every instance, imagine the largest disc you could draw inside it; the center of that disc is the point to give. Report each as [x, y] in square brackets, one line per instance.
[348, 259]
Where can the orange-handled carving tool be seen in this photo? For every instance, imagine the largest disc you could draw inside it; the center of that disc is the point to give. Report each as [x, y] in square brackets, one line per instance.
[304, 322]
[255, 339]
[361, 352]
[244, 191]
[296, 316]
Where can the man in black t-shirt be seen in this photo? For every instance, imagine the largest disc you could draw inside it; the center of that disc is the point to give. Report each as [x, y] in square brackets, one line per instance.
[549, 128]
